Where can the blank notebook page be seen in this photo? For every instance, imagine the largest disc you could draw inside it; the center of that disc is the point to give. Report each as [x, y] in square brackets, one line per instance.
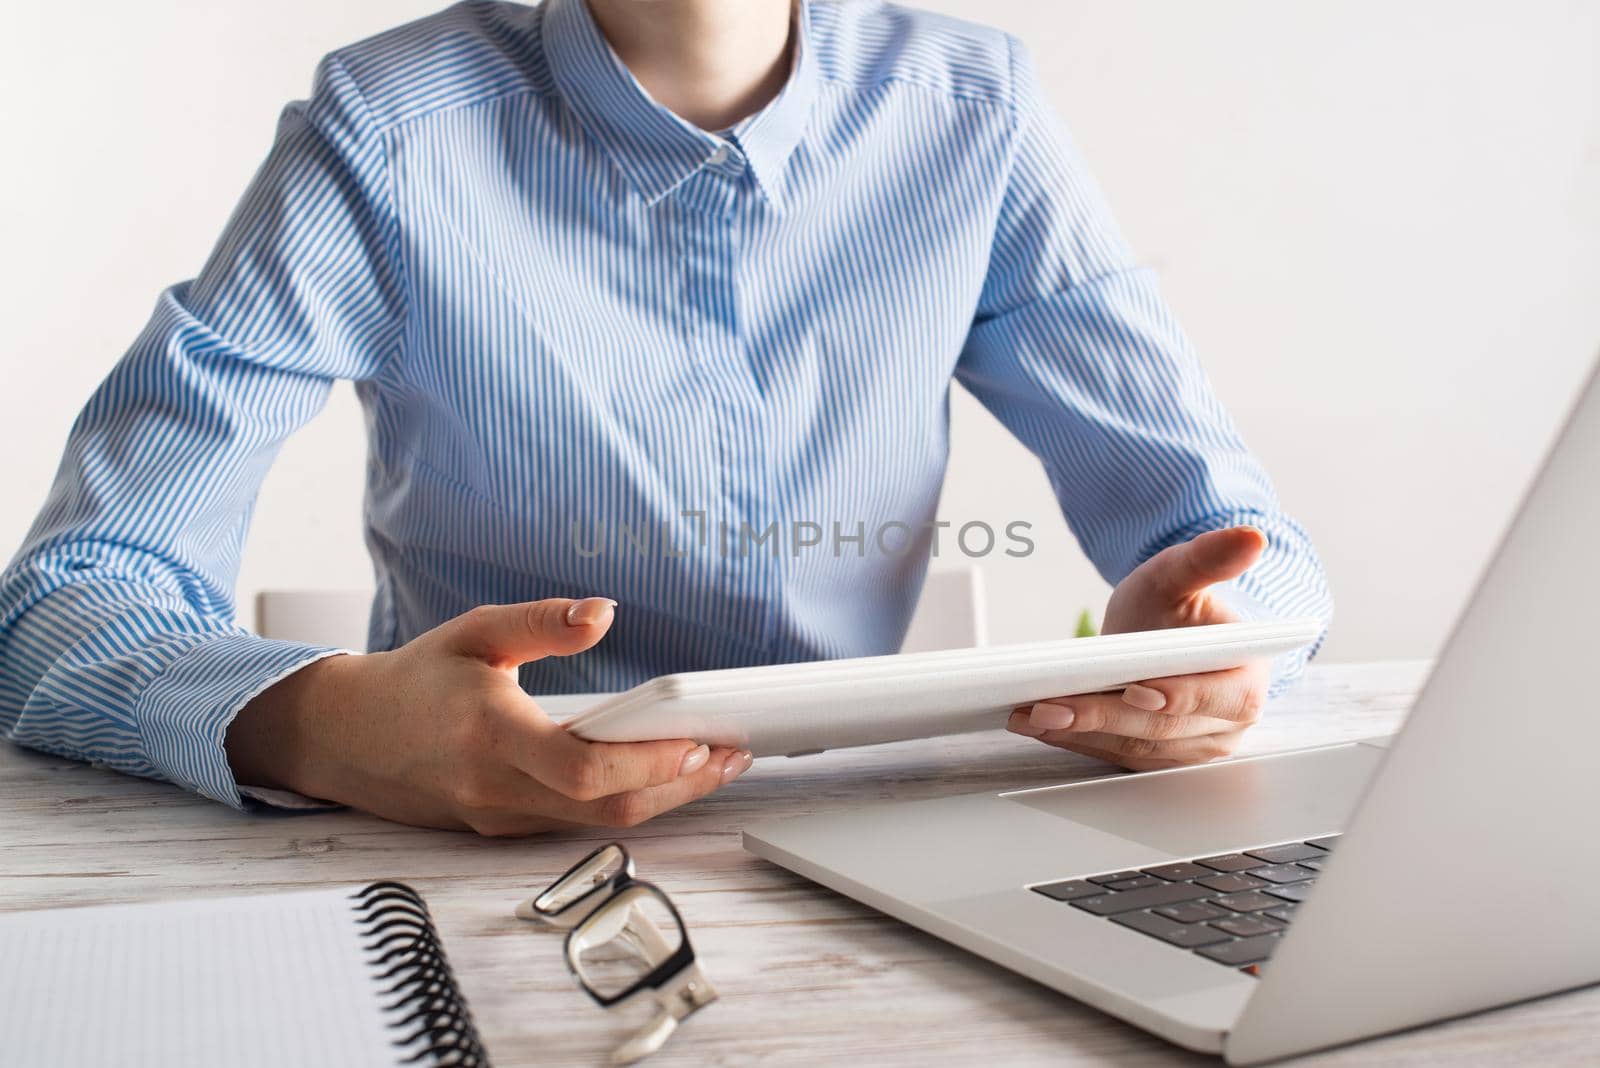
[270, 980]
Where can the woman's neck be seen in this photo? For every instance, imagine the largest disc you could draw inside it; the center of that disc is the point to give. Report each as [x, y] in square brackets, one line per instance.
[712, 62]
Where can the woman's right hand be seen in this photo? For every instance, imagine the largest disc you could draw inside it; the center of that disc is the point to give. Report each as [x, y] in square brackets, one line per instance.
[438, 733]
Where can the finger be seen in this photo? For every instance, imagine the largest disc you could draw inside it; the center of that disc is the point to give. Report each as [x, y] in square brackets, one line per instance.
[506, 635]
[529, 807]
[1121, 761]
[1183, 570]
[1019, 723]
[1236, 694]
[526, 811]
[589, 771]
[1141, 754]
[521, 735]
[634, 807]
[1109, 714]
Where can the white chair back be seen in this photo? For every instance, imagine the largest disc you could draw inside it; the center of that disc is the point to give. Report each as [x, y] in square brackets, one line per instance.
[949, 615]
[321, 617]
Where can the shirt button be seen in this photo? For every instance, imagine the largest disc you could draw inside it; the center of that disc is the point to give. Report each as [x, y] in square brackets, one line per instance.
[719, 156]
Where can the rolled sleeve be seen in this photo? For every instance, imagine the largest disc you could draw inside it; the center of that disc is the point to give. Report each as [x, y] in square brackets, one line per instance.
[184, 714]
[117, 636]
[1073, 348]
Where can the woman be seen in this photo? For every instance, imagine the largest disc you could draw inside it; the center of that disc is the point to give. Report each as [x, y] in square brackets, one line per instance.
[687, 266]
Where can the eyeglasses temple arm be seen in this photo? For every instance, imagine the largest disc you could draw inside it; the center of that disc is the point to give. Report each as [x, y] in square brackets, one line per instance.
[687, 993]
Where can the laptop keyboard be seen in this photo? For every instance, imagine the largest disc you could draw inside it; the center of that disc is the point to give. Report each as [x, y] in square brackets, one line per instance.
[1231, 908]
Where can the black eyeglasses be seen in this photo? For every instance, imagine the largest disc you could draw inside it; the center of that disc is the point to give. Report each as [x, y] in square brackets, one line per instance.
[625, 939]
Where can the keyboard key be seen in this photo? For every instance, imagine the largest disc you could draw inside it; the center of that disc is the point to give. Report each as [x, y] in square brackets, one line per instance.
[1115, 877]
[1149, 897]
[1068, 890]
[1179, 934]
[1284, 873]
[1243, 950]
[1286, 854]
[1292, 891]
[1136, 883]
[1314, 865]
[1229, 862]
[1249, 901]
[1246, 926]
[1325, 842]
[1195, 912]
[1231, 882]
[1177, 873]
[1283, 913]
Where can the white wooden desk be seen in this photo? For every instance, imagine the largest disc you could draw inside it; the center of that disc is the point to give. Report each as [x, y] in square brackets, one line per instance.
[806, 976]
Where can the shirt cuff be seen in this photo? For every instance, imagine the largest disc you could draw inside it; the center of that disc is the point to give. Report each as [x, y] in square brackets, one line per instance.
[1287, 668]
[184, 714]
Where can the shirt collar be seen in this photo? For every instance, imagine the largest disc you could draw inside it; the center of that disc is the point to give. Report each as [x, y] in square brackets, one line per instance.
[655, 148]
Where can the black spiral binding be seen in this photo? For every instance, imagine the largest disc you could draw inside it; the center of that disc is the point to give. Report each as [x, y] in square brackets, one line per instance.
[404, 949]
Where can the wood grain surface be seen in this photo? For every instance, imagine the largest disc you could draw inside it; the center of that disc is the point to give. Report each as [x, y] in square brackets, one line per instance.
[806, 976]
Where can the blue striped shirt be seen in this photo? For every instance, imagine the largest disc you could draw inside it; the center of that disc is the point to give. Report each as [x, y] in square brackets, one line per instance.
[602, 351]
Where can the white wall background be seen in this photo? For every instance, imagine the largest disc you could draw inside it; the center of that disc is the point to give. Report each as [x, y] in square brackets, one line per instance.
[1380, 221]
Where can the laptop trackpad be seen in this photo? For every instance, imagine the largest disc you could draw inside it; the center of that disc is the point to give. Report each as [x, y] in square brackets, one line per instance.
[1220, 807]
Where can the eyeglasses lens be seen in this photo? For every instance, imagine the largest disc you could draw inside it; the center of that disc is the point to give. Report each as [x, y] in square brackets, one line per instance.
[595, 871]
[624, 941]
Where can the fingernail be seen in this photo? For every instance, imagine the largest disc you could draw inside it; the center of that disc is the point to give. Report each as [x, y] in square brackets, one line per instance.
[694, 760]
[589, 610]
[736, 766]
[1017, 723]
[1145, 697]
[1048, 717]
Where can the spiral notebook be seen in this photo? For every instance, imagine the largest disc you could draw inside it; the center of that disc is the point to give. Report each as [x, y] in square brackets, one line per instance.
[348, 978]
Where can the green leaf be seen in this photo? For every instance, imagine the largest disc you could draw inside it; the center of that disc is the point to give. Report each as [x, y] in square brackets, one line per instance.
[1085, 625]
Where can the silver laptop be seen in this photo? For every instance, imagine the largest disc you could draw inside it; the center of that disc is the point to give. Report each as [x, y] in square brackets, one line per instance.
[1267, 906]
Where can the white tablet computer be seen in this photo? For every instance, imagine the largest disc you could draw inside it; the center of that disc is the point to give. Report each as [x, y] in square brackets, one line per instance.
[794, 709]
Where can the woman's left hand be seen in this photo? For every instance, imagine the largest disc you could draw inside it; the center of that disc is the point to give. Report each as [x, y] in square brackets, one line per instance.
[1185, 719]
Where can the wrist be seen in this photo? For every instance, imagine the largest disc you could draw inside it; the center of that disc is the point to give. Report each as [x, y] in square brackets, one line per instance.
[275, 740]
